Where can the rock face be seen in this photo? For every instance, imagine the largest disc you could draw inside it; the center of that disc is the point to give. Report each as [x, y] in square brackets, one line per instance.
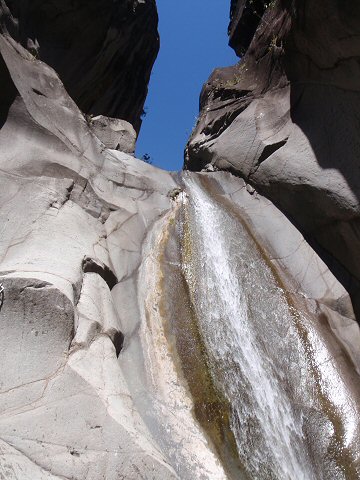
[262, 300]
[105, 371]
[64, 200]
[102, 51]
[286, 119]
[114, 133]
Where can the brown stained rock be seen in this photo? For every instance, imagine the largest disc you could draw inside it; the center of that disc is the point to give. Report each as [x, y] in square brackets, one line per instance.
[286, 119]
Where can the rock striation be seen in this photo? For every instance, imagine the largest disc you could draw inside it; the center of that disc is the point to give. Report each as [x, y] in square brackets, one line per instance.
[104, 374]
[286, 119]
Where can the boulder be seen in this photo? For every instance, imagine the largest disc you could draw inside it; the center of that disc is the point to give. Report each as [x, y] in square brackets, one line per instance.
[114, 133]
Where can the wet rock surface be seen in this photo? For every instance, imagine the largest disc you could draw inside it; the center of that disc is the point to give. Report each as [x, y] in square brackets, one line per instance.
[261, 301]
[286, 119]
[93, 382]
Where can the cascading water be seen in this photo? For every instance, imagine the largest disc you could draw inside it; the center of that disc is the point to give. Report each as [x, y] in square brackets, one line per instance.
[283, 415]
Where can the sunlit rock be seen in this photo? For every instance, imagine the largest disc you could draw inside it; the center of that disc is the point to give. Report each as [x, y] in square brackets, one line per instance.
[286, 119]
[154, 325]
[114, 133]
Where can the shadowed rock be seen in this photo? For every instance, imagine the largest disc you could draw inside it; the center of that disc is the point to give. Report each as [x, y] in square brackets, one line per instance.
[286, 119]
[103, 51]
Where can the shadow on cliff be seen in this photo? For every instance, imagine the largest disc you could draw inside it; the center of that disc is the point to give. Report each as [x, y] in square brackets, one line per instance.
[329, 118]
[8, 92]
[94, 47]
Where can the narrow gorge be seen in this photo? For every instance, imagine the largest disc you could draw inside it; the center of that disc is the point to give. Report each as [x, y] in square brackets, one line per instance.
[193, 325]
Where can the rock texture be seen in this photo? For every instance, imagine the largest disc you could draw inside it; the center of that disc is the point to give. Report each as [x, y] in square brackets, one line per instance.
[304, 275]
[81, 388]
[286, 119]
[294, 313]
[66, 410]
[90, 382]
[102, 51]
[114, 133]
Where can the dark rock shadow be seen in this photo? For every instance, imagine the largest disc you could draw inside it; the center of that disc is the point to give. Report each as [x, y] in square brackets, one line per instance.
[8, 92]
[329, 117]
[103, 51]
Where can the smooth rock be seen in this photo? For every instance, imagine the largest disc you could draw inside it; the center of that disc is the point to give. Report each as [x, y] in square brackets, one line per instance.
[114, 133]
[90, 386]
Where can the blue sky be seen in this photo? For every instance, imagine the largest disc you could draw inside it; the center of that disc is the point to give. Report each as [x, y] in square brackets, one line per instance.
[193, 37]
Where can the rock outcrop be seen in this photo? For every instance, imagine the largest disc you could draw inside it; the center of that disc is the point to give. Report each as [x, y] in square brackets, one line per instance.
[103, 51]
[65, 408]
[114, 133]
[286, 119]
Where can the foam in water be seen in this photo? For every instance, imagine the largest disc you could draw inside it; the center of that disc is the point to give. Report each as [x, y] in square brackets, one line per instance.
[257, 356]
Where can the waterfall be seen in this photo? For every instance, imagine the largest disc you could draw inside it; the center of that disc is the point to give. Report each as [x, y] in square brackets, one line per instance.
[257, 349]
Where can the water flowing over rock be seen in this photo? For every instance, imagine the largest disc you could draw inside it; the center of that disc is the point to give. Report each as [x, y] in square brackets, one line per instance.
[152, 325]
[286, 119]
[267, 349]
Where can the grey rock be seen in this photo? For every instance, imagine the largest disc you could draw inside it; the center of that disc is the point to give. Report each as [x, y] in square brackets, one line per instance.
[318, 311]
[61, 383]
[75, 218]
[303, 272]
[114, 133]
[209, 168]
[89, 382]
[286, 120]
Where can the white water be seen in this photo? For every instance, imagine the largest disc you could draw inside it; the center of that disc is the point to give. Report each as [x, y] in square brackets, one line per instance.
[245, 323]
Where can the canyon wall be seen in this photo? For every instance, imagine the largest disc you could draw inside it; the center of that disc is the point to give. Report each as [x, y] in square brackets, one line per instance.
[66, 411]
[103, 52]
[286, 119]
[139, 308]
